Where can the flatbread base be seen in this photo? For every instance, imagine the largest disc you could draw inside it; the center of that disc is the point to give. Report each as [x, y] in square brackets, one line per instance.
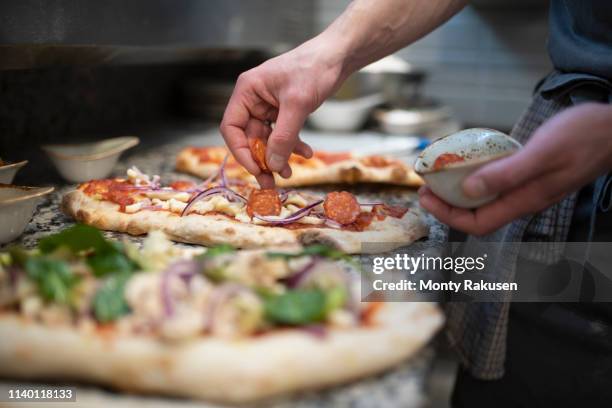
[349, 172]
[215, 369]
[387, 235]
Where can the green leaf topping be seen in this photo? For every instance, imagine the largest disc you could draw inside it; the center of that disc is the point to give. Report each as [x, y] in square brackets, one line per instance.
[53, 277]
[296, 307]
[321, 250]
[109, 301]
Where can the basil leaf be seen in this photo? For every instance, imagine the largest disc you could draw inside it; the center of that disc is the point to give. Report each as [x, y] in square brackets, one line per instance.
[109, 301]
[314, 250]
[335, 298]
[217, 250]
[297, 307]
[108, 256]
[53, 277]
[77, 238]
[110, 262]
[19, 255]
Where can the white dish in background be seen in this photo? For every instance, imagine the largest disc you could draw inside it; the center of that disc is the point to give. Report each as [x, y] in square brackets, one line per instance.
[477, 147]
[82, 162]
[417, 121]
[344, 115]
[17, 206]
[8, 171]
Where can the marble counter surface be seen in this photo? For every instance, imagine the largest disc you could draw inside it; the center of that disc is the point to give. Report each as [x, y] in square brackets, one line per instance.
[403, 386]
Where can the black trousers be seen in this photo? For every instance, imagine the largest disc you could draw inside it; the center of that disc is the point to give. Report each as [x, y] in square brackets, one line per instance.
[552, 360]
[558, 354]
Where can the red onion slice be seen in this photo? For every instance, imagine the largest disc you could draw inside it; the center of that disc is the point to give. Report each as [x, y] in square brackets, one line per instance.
[185, 270]
[222, 171]
[209, 192]
[222, 294]
[301, 213]
[294, 279]
[332, 224]
[318, 331]
[285, 195]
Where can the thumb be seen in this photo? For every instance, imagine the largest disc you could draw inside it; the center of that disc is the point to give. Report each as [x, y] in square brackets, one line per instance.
[504, 174]
[285, 136]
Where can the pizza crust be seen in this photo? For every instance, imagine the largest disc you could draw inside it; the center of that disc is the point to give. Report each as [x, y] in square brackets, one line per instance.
[212, 368]
[349, 171]
[209, 230]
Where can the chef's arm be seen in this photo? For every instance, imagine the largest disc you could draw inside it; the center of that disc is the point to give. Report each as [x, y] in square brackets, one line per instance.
[287, 88]
[371, 29]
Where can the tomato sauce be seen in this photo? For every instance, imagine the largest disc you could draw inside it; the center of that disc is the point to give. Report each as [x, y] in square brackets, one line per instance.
[331, 158]
[376, 161]
[214, 155]
[445, 159]
[115, 191]
[182, 185]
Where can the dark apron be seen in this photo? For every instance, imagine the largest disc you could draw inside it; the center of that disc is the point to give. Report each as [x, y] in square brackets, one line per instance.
[558, 354]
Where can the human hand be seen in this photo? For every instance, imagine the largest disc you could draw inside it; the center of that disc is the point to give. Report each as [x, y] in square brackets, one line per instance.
[565, 153]
[283, 90]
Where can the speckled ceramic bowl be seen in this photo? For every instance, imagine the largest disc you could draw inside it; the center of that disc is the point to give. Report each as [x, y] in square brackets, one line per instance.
[17, 206]
[82, 162]
[475, 148]
[8, 171]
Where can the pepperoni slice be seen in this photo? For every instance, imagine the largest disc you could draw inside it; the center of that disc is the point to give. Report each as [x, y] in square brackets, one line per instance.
[341, 207]
[258, 151]
[264, 202]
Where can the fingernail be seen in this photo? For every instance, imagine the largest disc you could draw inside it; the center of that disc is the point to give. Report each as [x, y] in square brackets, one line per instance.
[276, 162]
[475, 187]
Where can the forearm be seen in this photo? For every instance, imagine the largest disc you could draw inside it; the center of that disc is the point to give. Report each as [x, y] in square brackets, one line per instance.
[370, 29]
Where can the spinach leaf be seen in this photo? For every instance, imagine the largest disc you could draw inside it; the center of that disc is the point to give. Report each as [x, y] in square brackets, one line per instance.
[314, 250]
[335, 298]
[296, 307]
[110, 262]
[109, 301]
[108, 256]
[217, 250]
[77, 238]
[53, 277]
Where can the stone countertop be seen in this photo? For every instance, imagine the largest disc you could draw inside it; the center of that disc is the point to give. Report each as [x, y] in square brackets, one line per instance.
[403, 386]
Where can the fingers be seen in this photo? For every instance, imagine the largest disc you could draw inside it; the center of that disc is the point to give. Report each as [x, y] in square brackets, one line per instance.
[303, 150]
[235, 120]
[530, 198]
[284, 137]
[265, 180]
[507, 173]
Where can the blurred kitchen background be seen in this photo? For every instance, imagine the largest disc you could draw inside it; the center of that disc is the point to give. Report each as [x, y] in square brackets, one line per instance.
[80, 70]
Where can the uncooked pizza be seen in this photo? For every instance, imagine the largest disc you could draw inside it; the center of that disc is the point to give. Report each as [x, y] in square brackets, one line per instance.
[223, 210]
[223, 325]
[323, 168]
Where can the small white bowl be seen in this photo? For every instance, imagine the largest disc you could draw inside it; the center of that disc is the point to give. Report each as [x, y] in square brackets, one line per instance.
[82, 162]
[17, 206]
[344, 115]
[8, 171]
[477, 147]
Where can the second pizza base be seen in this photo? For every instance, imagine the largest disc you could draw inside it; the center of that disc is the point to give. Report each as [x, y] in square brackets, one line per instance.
[217, 369]
[308, 172]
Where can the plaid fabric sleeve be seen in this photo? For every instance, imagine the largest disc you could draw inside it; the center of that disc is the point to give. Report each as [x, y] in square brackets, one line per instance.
[477, 331]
